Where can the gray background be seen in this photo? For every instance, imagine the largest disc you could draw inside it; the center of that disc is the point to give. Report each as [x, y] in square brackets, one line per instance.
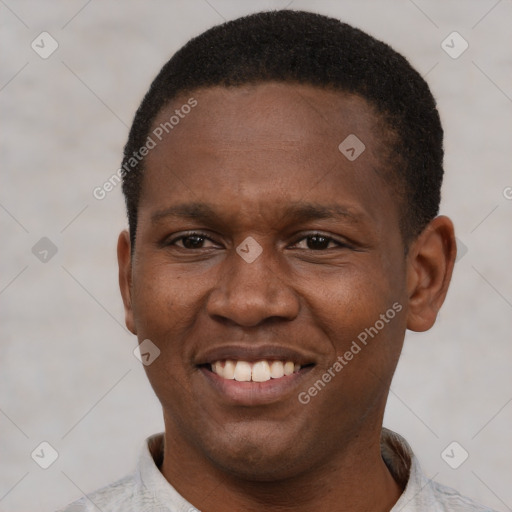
[68, 375]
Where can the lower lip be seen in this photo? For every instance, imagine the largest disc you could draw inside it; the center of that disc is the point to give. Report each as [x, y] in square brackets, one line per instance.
[255, 393]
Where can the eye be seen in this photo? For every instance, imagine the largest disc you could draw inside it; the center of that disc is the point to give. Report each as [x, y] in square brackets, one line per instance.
[192, 241]
[318, 242]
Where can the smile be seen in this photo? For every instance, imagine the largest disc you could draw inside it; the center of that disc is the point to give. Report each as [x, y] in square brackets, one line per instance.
[252, 375]
[259, 371]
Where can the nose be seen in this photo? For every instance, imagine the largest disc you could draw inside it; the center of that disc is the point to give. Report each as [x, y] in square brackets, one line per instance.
[248, 294]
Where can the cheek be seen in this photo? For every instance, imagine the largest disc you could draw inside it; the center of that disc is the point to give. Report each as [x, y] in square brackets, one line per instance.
[361, 313]
[349, 301]
[365, 326]
[163, 302]
[165, 311]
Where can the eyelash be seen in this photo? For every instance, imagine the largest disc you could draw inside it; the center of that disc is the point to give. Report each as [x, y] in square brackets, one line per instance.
[205, 237]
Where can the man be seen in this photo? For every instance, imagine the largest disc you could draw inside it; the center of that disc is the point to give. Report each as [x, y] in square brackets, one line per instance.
[282, 179]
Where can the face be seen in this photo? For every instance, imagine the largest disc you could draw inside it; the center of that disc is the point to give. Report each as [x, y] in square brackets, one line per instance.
[261, 244]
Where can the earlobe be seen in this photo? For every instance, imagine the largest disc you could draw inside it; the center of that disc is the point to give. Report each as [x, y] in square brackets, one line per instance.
[429, 270]
[124, 261]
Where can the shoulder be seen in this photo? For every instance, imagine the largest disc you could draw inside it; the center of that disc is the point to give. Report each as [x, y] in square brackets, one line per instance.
[136, 492]
[116, 497]
[449, 500]
[421, 494]
[425, 495]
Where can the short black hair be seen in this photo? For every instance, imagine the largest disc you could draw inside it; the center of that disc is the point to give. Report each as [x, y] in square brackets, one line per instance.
[307, 48]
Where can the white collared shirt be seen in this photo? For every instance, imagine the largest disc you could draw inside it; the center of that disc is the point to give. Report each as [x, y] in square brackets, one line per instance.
[147, 490]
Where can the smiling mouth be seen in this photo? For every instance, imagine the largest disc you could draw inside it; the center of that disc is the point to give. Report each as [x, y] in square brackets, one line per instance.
[259, 371]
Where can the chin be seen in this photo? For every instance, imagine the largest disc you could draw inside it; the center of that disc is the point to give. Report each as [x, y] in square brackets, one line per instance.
[259, 458]
[262, 469]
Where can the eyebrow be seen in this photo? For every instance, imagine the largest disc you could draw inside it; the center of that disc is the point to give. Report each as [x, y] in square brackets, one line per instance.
[192, 211]
[297, 212]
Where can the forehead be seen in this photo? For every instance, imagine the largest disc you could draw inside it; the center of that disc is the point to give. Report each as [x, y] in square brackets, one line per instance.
[269, 143]
[304, 111]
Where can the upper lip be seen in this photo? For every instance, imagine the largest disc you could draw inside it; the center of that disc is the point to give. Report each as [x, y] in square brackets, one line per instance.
[253, 353]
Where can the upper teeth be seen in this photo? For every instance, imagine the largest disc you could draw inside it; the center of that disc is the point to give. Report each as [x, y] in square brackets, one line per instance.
[260, 371]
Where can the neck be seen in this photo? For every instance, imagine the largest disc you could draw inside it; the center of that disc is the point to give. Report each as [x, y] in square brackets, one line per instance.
[354, 479]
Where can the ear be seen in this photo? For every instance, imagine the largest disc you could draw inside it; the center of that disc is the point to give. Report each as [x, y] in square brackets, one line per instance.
[430, 264]
[124, 261]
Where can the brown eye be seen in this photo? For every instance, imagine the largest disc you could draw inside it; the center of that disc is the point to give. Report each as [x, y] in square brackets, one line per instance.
[318, 242]
[321, 242]
[193, 241]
